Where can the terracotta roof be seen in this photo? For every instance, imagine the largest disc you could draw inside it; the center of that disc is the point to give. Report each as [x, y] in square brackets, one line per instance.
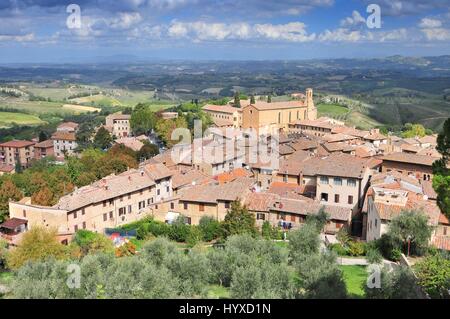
[108, 187]
[5, 168]
[443, 219]
[222, 122]
[17, 143]
[285, 149]
[44, 144]
[309, 206]
[231, 191]
[190, 177]
[262, 105]
[232, 175]
[304, 144]
[410, 159]
[157, 171]
[64, 136]
[131, 142]
[294, 164]
[331, 138]
[13, 223]
[68, 125]
[388, 211]
[284, 189]
[221, 108]
[119, 116]
[315, 123]
[429, 190]
[260, 202]
[342, 165]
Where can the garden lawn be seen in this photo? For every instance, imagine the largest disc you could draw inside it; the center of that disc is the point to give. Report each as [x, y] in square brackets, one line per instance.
[355, 278]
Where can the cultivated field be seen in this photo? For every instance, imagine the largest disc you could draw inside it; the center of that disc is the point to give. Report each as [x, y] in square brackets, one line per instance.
[8, 118]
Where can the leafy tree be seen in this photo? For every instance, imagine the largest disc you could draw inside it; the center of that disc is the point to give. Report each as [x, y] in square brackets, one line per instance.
[304, 242]
[43, 136]
[238, 220]
[434, 275]
[237, 99]
[164, 128]
[92, 243]
[320, 219]
[441, 179]
[269, 98]
[103, 138]
[411, 226]
[143, 119]
[194, 236]
[147, 151]
[270, 232]
[8, 191]
[398, 283]
[209, 227]
[413, 130]
[37, 244]
[320, 277]
[262, 281]
[43, 197]
[252, 99]
[3, 251]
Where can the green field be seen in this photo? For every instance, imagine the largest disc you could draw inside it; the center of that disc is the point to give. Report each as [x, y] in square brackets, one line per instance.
[355, 278]
[332, 109]
[8, 118]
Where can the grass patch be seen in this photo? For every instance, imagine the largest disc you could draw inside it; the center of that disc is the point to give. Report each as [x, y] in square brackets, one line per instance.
[218, 292]
[332, 109]
[6, 277]
[355, 278]
[8, 118]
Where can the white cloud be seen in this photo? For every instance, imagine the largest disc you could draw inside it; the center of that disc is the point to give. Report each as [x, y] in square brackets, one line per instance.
[393, 35]
[437, 34]
[355, 19]
[125, 20]
[201, 31]
[430, 23]
[294, 32]
[341, 35]
[18, 38]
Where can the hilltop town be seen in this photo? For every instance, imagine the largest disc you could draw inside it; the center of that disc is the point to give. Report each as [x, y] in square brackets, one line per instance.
[277, 159]
[362, 178]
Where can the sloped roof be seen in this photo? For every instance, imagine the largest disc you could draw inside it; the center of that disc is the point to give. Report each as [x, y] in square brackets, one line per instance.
[17, 143]
[108, 187]
[410, 158]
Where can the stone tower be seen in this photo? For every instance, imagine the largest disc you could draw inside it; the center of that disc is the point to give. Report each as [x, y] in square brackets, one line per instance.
[311, 108]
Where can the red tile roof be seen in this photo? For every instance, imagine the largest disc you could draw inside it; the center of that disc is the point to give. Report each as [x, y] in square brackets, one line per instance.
[64, 136]
[17, 144]
[13, 223]
[44, 144]
[5, 168]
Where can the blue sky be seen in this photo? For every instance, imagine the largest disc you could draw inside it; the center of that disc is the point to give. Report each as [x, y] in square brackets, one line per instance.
[36, 30]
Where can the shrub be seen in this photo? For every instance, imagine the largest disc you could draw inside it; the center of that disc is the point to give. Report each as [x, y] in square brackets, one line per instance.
[179, 230]
[396, 254]
[195, 236]
[90, 242]
[127, 249]
[373, 255]
[338, 249]
[271, 232]
[209, 227]
[356, 248]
